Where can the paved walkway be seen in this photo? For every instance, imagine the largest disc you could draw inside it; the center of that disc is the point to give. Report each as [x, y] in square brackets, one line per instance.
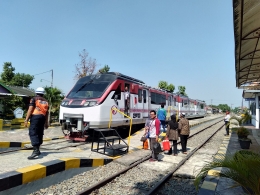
[223, 186]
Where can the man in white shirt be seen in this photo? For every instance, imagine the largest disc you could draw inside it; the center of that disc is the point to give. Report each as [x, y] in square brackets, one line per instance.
[127, 96]
[226, 119]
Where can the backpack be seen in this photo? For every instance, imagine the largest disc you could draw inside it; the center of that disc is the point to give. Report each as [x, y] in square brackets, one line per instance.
[41, 105]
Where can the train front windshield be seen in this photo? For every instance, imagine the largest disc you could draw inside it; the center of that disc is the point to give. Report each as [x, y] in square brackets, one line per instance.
[89, 89]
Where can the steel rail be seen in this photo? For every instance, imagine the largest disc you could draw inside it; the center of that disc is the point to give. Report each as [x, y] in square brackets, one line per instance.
[109, 179]
[169, 175]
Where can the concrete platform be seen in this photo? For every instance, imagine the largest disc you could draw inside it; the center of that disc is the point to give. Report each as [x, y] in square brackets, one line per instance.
[16, 165]
[219, 185]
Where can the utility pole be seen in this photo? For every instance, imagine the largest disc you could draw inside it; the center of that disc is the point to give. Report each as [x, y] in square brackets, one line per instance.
[51, 78]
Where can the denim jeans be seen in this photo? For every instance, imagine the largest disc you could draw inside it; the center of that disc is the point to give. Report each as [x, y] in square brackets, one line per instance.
[163, 125]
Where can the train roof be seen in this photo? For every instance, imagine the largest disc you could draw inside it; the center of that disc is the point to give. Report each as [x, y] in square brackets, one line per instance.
[125, 77]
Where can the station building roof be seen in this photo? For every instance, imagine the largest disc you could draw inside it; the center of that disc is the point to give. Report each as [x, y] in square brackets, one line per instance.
[6, 90]
[250, 93]
[246, 15]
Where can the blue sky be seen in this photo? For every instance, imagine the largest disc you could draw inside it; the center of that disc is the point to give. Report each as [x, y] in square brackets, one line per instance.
[183, 42]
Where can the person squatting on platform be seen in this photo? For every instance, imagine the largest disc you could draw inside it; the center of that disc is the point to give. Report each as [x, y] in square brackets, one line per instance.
[184, 127]
[172, 134]
[226, 120]
[38, 115]
[153, 130]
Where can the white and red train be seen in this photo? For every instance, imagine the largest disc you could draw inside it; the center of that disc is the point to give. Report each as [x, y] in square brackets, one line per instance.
[89, 103]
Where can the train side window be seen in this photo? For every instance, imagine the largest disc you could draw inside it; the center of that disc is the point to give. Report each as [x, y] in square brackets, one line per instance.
[153, 98]
[174, 102]
[201, 106]
[181, 103]
[144, 95]
[117, 92]
[164, 99]
[140, 95]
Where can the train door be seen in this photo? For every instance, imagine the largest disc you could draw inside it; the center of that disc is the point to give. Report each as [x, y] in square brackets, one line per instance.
[127, 98]
[145, 103]
[169, 110]
[192, 108]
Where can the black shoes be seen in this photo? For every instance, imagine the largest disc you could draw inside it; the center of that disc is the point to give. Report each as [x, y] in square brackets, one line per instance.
[35, 154]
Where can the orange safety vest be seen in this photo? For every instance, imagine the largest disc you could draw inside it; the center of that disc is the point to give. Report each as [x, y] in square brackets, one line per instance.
[41, 106]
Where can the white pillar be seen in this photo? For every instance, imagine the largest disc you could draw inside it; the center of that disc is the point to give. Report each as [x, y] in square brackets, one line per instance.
[257, 111]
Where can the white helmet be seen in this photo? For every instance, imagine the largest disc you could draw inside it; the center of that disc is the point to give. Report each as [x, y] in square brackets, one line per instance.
[40, 90]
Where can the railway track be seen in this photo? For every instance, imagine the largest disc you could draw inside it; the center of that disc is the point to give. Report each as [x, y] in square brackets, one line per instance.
[115, 178]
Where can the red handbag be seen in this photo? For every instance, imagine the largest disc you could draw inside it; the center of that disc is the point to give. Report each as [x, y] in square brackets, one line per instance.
[166, 144]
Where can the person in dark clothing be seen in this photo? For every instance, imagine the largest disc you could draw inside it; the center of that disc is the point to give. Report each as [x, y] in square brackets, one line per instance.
[172, 133]
[38, 115]
[184, 127]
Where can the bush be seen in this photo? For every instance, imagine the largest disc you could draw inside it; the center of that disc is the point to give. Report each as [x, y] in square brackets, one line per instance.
[242, 132]
[243, 167]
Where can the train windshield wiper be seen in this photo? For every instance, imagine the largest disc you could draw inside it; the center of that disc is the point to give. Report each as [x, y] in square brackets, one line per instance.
[87, 83]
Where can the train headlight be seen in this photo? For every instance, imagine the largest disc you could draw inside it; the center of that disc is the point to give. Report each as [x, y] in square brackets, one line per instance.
[86, 104]
[64, 103]
[92, 103]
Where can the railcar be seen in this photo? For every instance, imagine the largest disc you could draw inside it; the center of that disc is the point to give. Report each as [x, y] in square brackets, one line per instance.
[89, 103]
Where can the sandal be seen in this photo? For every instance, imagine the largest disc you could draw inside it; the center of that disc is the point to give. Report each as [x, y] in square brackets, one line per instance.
[184, 153]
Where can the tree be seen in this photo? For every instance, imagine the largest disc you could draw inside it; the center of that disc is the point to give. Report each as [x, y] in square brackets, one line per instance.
[105, 69]
[54, 97]
[21, 79]
[236, 110]
[163, 85]
[224, 107]
[171, 88]
[87, 65]
[182, 90]
[8, 73]
[10, 103]
[8, 76]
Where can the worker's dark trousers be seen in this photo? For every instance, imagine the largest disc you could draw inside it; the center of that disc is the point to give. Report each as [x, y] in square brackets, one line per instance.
[36, 129]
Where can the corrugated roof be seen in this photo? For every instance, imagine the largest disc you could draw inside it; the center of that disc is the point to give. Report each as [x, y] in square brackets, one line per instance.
[246, 15]
[22, 91]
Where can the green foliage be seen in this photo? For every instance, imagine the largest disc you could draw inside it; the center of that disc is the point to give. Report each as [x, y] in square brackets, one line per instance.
[10, 103]
[246, 116]
[105, 69]
[54, 97]
[8, 73]
[163, 85]
[8, 76]
[242, 132]
[182, 90]
[171, 88]
[236, 110]
[224, 107]
[243, 167]
[21, 79]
